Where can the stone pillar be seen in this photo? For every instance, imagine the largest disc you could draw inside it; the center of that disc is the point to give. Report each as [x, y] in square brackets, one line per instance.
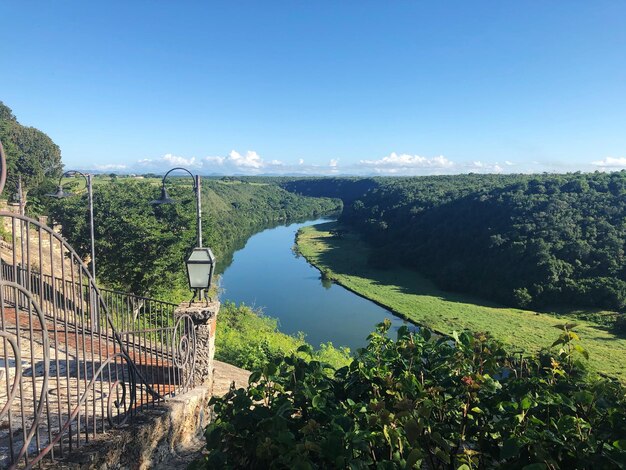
[204, 317]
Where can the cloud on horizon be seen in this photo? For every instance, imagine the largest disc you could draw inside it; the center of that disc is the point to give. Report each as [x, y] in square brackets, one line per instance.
[393, 164]
[248, 163]
[610, 163]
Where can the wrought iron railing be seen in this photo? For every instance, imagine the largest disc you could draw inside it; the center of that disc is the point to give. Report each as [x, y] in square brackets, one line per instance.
[76, 360]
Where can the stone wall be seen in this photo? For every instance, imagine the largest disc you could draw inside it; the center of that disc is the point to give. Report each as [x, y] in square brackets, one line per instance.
[154, 437]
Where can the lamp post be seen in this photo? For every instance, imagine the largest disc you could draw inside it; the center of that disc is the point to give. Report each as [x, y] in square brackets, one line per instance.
[18, 197]
[60, 194]
[201, 262]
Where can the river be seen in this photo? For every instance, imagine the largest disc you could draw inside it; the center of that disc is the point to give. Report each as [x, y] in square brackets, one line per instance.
[267, 274]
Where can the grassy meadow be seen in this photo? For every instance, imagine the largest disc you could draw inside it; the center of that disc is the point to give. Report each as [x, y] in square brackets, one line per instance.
[411, 296]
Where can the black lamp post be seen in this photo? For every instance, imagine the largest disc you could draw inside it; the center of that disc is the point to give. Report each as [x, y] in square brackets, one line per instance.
[60, 194]
[201, 262]
[18, 197]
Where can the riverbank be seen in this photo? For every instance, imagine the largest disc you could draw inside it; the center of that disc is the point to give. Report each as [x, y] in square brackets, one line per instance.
[344, 260]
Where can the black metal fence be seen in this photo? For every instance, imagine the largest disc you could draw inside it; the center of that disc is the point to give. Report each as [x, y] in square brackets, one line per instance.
[76, 360]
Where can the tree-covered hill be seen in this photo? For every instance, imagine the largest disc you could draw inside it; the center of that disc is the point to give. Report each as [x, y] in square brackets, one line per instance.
[140, 248]
[527, 240]
[30, 153]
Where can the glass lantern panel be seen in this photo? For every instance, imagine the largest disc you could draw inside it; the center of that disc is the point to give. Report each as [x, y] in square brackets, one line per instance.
[199, 275]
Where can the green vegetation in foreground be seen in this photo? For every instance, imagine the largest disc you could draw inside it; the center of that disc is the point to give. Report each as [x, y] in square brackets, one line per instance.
[408, 294]
[424, 402]
[249, 339]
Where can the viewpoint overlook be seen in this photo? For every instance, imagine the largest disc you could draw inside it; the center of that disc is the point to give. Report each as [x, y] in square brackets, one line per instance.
[313, 235]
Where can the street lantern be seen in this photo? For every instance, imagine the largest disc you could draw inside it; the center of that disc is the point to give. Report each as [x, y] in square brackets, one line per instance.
[164, 199]
[200, 267]
[59, 194]
[201, 262]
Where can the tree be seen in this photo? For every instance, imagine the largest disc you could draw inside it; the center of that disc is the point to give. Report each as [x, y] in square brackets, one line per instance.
[6, 114]
[30, 153]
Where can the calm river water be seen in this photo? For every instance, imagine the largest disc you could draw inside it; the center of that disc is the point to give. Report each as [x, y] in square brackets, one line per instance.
[267, 274]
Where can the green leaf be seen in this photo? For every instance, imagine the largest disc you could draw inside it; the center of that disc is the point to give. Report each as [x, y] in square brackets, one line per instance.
[414, 458]
[582, 351]
[254, 377]
[526, 403]
[318, 401]
[305, 348]
[441, 455]
[584, 396]
[535, 466]
[510, 448]
[621, 444]
[412, 430]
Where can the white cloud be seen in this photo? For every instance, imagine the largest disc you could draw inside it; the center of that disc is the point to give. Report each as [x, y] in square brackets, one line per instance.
[168, 160]
[252, 163]
[110, 167]
[250, 160]
[482, 167]
[408, 164]
[611, 162]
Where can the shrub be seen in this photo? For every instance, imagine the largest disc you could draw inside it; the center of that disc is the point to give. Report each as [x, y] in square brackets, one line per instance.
[249, 339]
[422, 402]
[619, 326]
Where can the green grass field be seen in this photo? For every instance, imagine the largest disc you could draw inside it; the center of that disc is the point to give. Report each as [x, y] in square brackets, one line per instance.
[411, 296]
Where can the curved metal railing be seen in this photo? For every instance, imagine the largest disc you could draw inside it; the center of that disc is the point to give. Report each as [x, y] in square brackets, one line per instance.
[75, 361]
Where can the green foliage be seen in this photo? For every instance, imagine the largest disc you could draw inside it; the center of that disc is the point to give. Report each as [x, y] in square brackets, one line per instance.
[6, 114]
[141, 248]
[619, 326]
[30, 153]
[535, 241]
[410, 295]
[250, 340]
[424, 402]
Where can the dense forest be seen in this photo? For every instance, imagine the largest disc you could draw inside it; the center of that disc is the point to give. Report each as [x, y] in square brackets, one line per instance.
[540, 241]
[140, 247]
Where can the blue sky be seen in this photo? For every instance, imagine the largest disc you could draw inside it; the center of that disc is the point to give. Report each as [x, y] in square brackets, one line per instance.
[321, 87]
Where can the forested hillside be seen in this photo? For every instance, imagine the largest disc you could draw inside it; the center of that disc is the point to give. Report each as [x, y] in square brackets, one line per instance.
[140, 248]
[531, 241]
[346, 189]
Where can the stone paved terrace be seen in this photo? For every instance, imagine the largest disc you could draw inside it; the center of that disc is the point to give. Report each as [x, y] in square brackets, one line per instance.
[73, 356]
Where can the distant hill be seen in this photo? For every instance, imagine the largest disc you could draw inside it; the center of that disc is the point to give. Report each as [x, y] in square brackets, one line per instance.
[532, 241]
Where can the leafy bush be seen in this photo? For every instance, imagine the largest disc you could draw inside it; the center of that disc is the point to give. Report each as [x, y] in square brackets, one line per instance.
[250, 340]
[422, 402]
[619, 326]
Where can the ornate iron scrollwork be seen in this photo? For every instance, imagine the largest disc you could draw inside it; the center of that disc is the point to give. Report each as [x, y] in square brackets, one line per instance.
[76, 360]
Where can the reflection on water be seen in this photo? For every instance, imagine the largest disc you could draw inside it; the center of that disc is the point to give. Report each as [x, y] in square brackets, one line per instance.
[267, 274]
